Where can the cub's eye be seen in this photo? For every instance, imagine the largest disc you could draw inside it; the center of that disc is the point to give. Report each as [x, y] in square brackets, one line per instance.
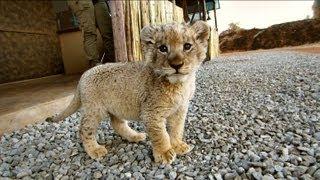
[187, 46]
[163, 48]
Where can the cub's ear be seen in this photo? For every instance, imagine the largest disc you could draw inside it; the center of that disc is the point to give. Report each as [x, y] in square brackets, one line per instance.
[202, 30]
[147, 34]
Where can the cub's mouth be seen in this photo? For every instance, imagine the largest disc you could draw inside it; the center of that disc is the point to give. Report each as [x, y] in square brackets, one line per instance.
[169, 72]
[177, 77]
[178, 74]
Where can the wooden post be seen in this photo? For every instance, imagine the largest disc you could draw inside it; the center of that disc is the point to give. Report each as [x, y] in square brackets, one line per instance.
[174, 11]
[137, 15]
[215, 16]
[213, 44]
[204, 10]
[119, 34]
[128, 31]
[144, 6]
[185, 11]
[135, 29]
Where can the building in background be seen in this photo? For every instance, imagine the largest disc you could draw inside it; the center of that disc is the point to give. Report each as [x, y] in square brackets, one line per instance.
[29, 41]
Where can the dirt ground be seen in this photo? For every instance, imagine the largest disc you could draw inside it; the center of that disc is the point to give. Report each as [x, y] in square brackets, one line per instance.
[295, 33]
[308, 48]
[30, 101]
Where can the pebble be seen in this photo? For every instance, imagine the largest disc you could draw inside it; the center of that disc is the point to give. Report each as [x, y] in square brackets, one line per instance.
[308, 160]
[299, 170]
[24, 172]
[306, 177]
[127, 175]
[316, 175]
[64, 178]
[278, 168]
[159, 176]
[137, 175]
[263, 155]
[317, 136]
[257, 175]
[230, 176]
[218, 176]
[172, 175]
[97, 174]
[268, 177]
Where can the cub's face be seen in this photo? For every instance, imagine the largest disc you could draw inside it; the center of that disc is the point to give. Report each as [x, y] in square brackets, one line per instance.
[175, 50]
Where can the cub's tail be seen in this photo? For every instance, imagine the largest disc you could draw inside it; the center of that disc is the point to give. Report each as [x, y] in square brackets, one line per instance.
[72, 107]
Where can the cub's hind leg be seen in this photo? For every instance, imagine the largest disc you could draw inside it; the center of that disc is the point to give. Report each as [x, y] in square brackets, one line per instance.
[88, 128]
[123, 129]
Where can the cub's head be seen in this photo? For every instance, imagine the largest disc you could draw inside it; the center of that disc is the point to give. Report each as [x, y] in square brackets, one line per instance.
[175, 50]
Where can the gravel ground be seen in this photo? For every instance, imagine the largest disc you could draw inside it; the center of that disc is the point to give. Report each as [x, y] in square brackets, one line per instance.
[254, 116]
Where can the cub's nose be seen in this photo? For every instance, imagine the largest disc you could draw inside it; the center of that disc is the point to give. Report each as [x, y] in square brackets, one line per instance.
[176, 65]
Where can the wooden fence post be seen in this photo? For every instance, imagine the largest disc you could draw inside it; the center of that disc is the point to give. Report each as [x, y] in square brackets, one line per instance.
[128, 30]
[119, 33]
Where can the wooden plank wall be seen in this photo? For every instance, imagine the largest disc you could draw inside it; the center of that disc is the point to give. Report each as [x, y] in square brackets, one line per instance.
[142, 13]
[151, 12]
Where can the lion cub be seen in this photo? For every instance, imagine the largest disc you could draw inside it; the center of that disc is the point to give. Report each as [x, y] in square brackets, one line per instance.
[156, 92]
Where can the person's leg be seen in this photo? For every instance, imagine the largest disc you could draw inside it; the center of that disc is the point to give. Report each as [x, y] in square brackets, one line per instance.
[84, 10]
[104, 23]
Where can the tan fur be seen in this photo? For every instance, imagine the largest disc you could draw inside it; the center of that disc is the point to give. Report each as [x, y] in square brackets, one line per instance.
[150, 92]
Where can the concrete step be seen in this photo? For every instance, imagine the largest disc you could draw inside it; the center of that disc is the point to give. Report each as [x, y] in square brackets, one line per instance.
[32, 101]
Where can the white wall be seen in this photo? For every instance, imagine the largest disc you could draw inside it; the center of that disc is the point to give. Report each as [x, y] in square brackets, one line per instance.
[261, 14]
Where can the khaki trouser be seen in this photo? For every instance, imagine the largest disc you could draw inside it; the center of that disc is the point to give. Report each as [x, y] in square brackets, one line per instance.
[89, 15]
[316, 10]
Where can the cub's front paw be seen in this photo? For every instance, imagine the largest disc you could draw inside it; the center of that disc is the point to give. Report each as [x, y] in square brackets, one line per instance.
[97, 152]
[166, 157]
[137, 137]
[181, 148]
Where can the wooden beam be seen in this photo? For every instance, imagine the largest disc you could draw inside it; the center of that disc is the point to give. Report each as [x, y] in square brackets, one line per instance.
[185, 11]
[4, 29]
[204, 10]
[144, 13]
[128, 31]
[135, 29]
[174, 10]
[119, 33]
